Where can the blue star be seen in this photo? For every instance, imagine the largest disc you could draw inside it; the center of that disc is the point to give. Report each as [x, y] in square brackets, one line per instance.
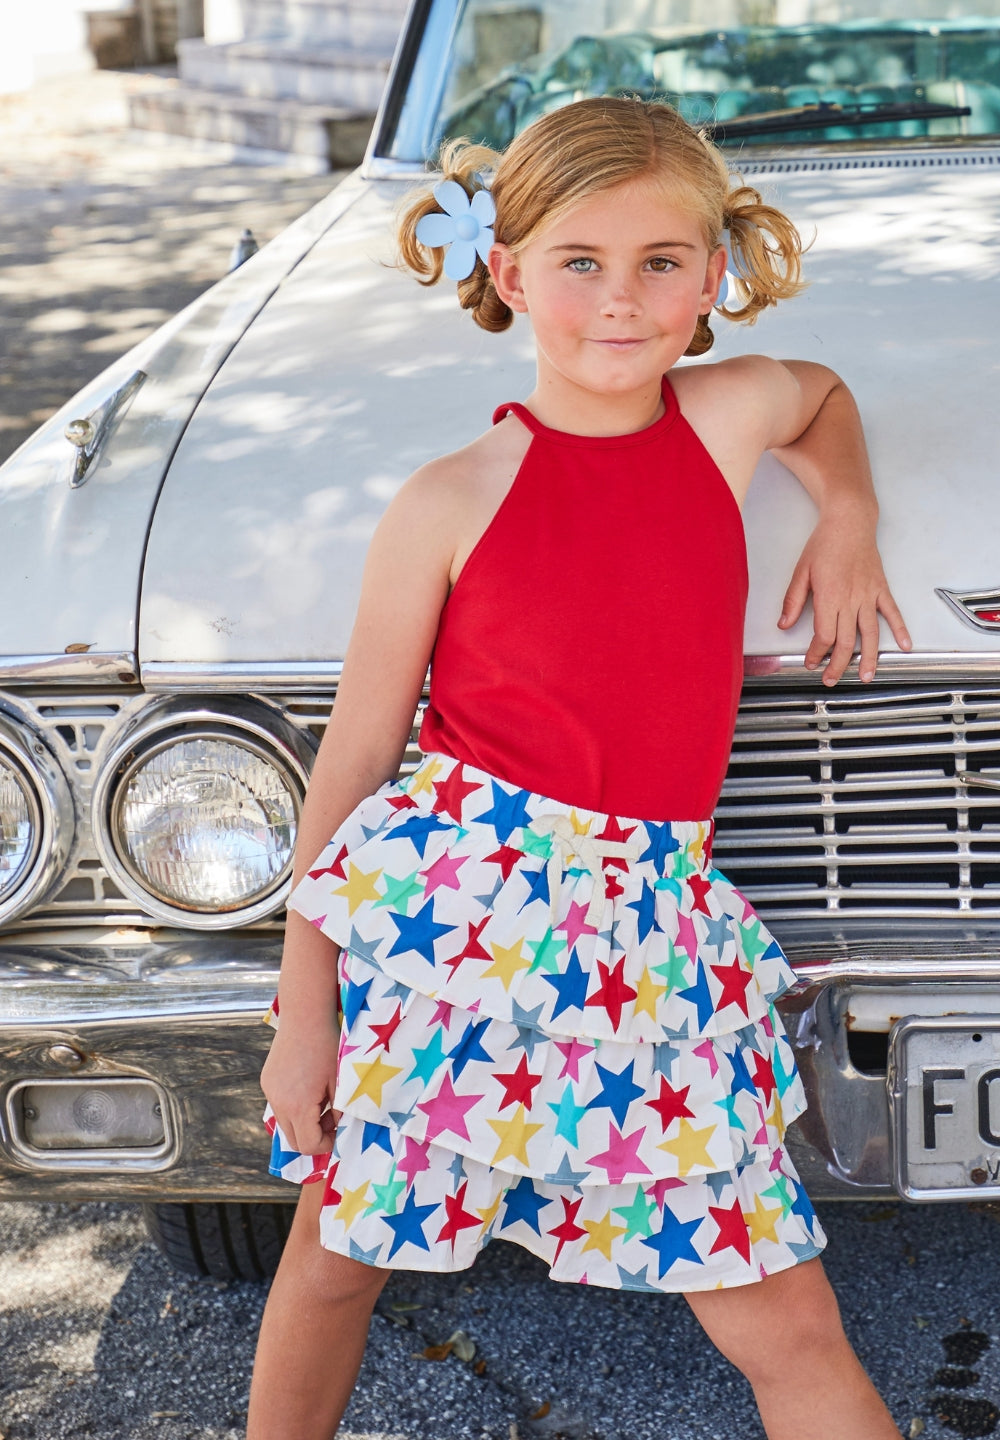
[457, 1168]
[400, 1117]
[280, 1158]
[697, 994]
[617, 1091]
[565, 1175]
[364, 949]
[635, 1279]
[645, 907]
[355, 999]
[570, 986]
[507, 813]
[803, 1249]
[467, 1047]
[409, 1224]
[664, 1055]
[717, 1181]
[749, 1036]
[400, 988]
[418, 829]
[671, 1241]
[373, 1134]
[748, 1156]
[742, 1079]
[523, 1203]
[370, 834]
[802, 1205]
[487, 900]
[538, 887]
[433, 1057]
[367, 1257]
[528, 1032]
[661, 844]
[719, 934]
[418, 932]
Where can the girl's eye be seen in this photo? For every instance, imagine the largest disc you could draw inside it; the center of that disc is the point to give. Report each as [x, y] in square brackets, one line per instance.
[582, 265]
[661, 264]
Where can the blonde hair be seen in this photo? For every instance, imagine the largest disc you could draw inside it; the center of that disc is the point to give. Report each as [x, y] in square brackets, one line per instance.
[573, 153]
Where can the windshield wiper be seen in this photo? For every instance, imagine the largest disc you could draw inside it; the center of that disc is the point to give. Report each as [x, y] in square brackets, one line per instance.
[824, 113]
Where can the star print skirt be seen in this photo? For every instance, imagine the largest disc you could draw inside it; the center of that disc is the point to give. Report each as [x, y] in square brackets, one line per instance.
[557, 1028]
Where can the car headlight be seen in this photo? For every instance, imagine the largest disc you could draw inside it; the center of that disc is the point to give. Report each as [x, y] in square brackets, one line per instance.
[36, 816]
[20, 828]
[199, 817]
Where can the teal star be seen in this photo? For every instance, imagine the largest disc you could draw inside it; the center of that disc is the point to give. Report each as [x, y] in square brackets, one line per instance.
[399, 891]
[569, 1114]
[432, 1057]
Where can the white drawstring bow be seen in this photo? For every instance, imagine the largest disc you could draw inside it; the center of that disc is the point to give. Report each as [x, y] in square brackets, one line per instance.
[589, 850]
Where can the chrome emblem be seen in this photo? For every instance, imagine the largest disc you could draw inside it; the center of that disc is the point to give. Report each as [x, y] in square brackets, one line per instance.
[979, 608]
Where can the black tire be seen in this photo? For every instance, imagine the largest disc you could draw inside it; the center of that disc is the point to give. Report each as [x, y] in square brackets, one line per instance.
[223, 1241]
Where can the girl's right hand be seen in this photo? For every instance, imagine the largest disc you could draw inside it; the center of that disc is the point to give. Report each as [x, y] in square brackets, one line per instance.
[299, 1079]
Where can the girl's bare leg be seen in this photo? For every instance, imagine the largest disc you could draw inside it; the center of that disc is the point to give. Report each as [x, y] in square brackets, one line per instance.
[312, 1335]
[785, 1334]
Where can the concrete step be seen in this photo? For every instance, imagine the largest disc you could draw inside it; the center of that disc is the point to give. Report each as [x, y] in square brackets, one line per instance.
[286, 70]
[374, 26]
[325, 136]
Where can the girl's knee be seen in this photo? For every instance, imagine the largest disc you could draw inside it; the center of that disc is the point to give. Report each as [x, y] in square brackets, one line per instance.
[757, 1327]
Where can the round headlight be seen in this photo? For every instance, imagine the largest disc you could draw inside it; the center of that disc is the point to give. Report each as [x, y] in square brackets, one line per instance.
[19, 827]
[206, 822]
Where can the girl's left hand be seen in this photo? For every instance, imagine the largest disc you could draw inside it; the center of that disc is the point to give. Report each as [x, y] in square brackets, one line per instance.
[842, 568]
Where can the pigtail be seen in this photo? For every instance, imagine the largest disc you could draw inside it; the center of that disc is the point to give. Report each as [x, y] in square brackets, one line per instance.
[463, 162]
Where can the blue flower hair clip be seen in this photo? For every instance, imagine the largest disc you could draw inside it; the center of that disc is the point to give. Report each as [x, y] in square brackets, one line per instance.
[465, 228]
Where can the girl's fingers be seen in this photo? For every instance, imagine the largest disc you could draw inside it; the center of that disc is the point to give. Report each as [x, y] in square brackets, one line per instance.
[895, 620]
[868, 625]
[824, 638]
[795, 596]
[843, 649]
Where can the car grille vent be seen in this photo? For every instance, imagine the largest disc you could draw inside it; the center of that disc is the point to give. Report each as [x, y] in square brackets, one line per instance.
[963, 160]
[853, 804]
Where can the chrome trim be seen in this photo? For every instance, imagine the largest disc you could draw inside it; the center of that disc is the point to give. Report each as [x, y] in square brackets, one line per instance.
[51, 804]
[963, 602]
[880, 971]
[81, 668]
[238, 675]
[154, 727]
[972, 777]
[893, 666]
[90, 434]
[80, 1159]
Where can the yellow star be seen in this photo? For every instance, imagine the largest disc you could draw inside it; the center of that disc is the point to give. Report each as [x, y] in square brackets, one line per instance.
[698, 848]
[776, 1116]
[372, 1077]
[487, 1215]
[601, 1234]
[424, 778]
[352, 1203]
[514, 1136]
[690, 1147]
[359, 887]
[647, 994]
[580, 827]
[761, 1221]
[507, 961]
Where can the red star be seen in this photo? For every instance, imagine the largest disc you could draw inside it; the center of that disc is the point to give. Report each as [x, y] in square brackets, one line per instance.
[506, 857]
[763, 1075]
[613, 992]
[450, 793]
[337, 868]
[670, 1104]
[699, 889]
[735, 980]
[331, 1195]
[518, 1084]
[613, 831]
[732, 1230]
[385, 1032]
[473, 950]
[612, 885]
[458, 1219]
[567, 1229]
[402, 802]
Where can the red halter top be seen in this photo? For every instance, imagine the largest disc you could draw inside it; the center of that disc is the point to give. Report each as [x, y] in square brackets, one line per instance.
[591, 649]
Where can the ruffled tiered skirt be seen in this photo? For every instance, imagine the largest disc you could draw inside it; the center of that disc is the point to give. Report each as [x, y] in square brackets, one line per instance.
[557, 1028]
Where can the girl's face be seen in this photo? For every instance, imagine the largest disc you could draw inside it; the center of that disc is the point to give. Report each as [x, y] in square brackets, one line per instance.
[614, 288]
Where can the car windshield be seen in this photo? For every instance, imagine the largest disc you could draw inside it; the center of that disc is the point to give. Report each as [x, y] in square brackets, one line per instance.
[759, 71]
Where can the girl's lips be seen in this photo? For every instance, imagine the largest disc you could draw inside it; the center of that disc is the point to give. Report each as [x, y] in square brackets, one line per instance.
[625, 344]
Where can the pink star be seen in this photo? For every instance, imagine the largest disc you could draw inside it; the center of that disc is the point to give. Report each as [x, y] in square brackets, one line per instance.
[776, 1160]
[447, 1111]
[443, 1011]
[575, 924]
[414, 1160]
[574, 1052]
[659, 1188]
[761, 1137]
[476, 1004]
[765, 1024]
[318, 922]
[620, 1158]
[444, 871]
[687, 936]
[707, 1052]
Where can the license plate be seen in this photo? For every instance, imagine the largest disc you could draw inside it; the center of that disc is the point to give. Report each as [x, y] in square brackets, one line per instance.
[944, 1106]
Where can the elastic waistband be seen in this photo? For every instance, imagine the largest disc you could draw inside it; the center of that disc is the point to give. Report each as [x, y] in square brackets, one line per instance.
[441, 783]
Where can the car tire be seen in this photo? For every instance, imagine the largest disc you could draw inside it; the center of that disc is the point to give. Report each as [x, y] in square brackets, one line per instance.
[221, 1241]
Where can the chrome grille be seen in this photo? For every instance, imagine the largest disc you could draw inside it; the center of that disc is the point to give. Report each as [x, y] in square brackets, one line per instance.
[852, 804]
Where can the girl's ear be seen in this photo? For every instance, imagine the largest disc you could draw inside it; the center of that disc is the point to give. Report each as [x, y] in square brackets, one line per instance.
[506, 276]
[714, 272]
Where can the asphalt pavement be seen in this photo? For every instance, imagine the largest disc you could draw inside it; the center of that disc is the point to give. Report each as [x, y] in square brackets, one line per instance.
[104, 236]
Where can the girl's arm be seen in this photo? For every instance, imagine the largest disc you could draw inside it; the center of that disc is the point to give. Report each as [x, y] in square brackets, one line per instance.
[405, 585]
[818, 435]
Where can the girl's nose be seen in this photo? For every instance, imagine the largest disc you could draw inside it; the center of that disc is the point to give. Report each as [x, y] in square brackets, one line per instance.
[620, 298]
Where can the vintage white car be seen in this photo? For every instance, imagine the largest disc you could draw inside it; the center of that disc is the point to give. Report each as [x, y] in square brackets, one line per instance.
[180, 552]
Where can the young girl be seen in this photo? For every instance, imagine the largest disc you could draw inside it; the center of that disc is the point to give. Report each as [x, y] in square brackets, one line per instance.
[557, 1021]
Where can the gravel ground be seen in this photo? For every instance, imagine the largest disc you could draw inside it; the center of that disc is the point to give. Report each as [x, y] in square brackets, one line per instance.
[100, 1338]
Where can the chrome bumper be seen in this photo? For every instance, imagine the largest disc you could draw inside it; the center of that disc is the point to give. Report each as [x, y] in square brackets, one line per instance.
[186, 1015]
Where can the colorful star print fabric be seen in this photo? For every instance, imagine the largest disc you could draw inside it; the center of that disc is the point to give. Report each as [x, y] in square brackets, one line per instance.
[557, 1028]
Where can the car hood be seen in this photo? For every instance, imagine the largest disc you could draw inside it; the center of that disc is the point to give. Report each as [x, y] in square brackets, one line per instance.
[353, 375]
